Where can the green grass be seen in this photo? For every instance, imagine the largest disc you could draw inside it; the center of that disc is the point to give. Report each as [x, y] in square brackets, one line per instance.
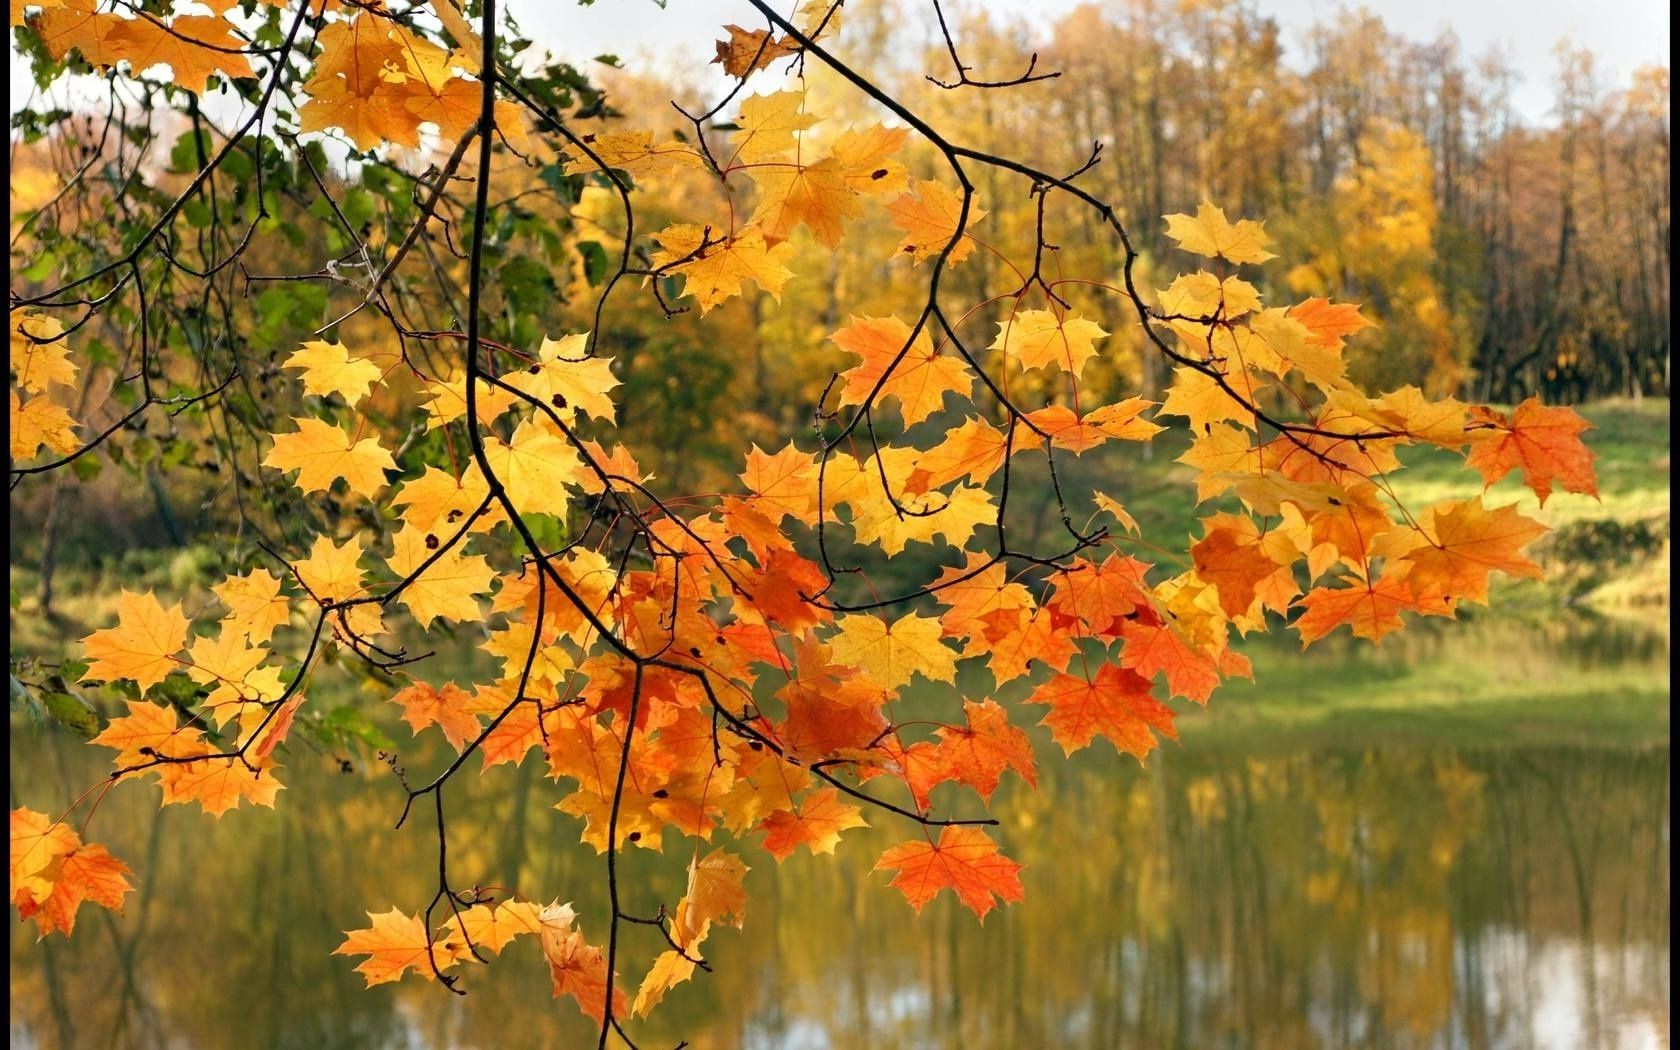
[1531, 666]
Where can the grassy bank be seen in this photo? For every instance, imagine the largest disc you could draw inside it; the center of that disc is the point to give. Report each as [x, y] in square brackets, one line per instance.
[1581, 654]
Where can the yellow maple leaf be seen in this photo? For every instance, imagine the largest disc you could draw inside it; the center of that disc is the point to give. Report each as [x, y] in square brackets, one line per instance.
[864, 159]
[255, 605]
[1041, 339]
[563, 378]
[144, 644]
[769, 126]
[714, 272]
[891, 653]
[447, 587]
[328, 369]
[1201, 294]
[394, 944]
[40, 421]
[40, 353]
[928, 215]
[816, 195]
[535, 467]
[1210, 233]
[322, 453]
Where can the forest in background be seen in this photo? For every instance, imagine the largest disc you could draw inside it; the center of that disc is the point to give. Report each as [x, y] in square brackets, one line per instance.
[1497, 259]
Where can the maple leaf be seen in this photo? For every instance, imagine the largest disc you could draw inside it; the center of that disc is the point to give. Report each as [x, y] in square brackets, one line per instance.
[1079, 433]
[229, 662]
[514, 737]
[929, 216]
[332, 571]
[636, 152]
[278, 730]
[568, 380]
[149, 730]
[1237, 560]
[142, 646]
[53, 872]
[714, 269]
[85, 873]
[1041, 339]
[37, 842]
[322, 453]
[79, 25]
[977, 754]
[218, 784]
[1544, 442]
[891, 653]
[1202, 294]
[424, 704]
[440, 582]
[1210, 233]
[40, 352]
[394, 944]
[670, 969]
[747, 51]
[714, 895]
[816, 822]
[194, 47]
[535, 467]
[491, 927]
[40, 421]
[814, 195]
[453, 106]
[1371, 608]
[255, 605]
[1458, 544]
[328, 369]
[578, 968]
[1329, 323]
[769, 126]
[914, 372]
[1116, 704]
[448, 401]
[964, 860]
[864, 159]
[1199, 396]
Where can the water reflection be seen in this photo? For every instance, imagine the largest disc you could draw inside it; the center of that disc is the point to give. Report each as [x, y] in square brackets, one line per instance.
[1405, 896]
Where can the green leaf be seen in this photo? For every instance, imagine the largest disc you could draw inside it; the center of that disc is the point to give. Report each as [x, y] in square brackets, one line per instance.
[72, 712]
[594, 261]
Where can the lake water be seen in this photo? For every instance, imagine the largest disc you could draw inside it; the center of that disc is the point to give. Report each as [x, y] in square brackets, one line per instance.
[1274, 892]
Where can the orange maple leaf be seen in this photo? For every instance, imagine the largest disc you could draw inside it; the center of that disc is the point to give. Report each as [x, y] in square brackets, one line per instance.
[1544, 442]
[1117, 704]
[964, 860]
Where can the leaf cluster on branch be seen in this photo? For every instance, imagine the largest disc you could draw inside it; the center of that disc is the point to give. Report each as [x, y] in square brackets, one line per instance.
[694, 666]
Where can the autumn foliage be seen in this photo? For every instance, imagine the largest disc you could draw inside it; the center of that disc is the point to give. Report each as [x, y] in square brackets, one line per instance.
[702, 668]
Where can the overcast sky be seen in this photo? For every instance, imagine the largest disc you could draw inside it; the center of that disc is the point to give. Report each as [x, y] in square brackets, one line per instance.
[1622, 34]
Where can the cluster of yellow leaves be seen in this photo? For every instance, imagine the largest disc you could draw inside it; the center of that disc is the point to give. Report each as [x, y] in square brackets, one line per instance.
[377, 81]
[41, 371]
[800, 179]
[396, 943]
[194, 47]
[243, 694]
[1320, 478]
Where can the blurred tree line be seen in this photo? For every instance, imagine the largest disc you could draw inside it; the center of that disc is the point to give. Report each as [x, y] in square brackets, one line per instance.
[1498, 258]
